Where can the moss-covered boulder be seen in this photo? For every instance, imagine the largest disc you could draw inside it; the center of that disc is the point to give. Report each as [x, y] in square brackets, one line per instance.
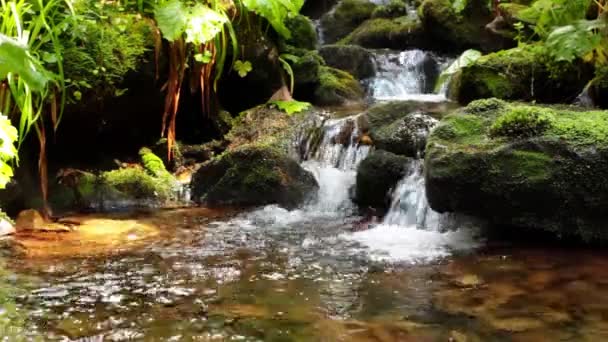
[252, 175]
[399, 33]
[405, 136]
[344, 18]
[449, 28]
[353, 59]
[376, 176]
[337, 87]
[523, 73]
[145, 185]
[257, 168]
[303, 32]
[522, 166]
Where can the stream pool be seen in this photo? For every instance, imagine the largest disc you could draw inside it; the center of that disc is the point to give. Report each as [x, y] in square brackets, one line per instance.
[273, 275]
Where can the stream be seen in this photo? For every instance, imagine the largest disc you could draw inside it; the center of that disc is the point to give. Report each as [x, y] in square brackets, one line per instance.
[319, 272]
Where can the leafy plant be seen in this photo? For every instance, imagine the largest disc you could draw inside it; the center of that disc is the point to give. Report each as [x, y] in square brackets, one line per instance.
[466, 58]
[276, 12]
[291, 107]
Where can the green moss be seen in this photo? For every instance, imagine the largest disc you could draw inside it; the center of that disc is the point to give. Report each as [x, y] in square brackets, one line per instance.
[303, 33]
[386, 33]
[523, 122]
[337, 87]
[524, 166]
[394, 9]
[136, 183]
[460, 128]
[522, 73]
[99, 53]
[4, 216]
[152, 163]
[306, 68]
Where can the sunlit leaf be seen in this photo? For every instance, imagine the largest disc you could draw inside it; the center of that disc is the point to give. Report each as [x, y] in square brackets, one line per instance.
[15, 59]
[171, 18]
[203, 24]
[291, 107]
[467, 58]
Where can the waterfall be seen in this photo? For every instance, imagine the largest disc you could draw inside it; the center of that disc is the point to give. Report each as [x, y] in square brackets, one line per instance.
[407, 75]
[409, 206]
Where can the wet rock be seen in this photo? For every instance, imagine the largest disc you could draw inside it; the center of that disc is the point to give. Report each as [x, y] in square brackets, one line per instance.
[6, 227]
[400, 34]
[344, 18]
[400, 127]
[522, 166]
[353, 59]
[376, 176]
[393, 9]
[406, 136]
[252, 175]
[525, 73]
[32, 220]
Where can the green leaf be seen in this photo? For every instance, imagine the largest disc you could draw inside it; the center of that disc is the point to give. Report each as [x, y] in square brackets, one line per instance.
[203, 24]
[291, 107]
[15, 59]
[8, 137]
[566, 43]
[276, 12]
[467, 58]
[172, 19]
[243, 68]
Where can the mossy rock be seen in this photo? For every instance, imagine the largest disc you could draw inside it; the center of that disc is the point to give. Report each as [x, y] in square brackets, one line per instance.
[376, 176]
[353, 59]
[344, 18]
[303, 32]
[467, 29]
[394, 9]
[523, 73]
[522, 166]
[399, 33]
[134, 186]
[252, 175]
[337, 87]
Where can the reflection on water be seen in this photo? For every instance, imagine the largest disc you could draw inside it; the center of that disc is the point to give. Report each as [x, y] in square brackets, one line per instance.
[252, 279]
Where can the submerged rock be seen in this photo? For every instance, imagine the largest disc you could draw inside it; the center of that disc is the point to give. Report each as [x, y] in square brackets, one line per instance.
[376, 176]
[353, 59]
[252, 175]
[524, 73]
[522, 166]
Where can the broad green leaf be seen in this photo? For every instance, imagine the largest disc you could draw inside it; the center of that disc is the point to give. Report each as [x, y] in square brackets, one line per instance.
[577, 40]
[276, 12]
[8, 137]
[15, 59]
[171, 18]
[291, 107]
[203, 24]
[467, 58]
[243, 67]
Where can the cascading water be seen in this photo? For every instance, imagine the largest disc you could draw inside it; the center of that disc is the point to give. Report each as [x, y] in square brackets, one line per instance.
[407, 75]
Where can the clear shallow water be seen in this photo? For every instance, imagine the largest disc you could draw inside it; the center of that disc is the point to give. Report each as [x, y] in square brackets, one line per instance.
[256, 279]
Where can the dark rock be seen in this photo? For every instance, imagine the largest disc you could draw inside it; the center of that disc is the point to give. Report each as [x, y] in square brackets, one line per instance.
[353, 59]
[405, 136]
[252, 175]
[376, 176]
